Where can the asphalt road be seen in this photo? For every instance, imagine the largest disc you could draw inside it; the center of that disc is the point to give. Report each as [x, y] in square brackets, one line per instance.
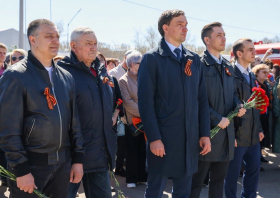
[269, 184]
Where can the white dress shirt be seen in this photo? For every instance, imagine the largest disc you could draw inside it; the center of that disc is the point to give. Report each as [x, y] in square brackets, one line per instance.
[242, 69]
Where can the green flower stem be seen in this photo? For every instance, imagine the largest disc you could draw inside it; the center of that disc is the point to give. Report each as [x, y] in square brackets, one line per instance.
[232, 114]
[11, 176]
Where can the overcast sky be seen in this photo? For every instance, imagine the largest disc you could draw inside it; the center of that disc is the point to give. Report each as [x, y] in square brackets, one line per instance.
[115, 21]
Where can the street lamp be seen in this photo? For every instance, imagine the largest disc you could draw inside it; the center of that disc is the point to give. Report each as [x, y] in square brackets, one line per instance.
[68, 27]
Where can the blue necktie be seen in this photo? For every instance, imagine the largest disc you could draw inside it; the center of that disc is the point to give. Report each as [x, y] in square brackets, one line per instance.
[177, 51]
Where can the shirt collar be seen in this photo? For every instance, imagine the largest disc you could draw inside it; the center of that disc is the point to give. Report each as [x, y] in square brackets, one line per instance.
[242, 69]
[172, 47]
[219, 61]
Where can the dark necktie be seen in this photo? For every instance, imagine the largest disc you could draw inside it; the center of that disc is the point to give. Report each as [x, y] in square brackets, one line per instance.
[247, 77]
[177, 51]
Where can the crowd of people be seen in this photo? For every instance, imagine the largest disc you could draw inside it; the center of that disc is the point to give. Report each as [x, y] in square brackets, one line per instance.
[148, 118]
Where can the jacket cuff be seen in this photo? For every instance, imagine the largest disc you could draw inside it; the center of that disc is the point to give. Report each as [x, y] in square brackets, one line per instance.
[217, 120]
[22, 169]
[78, 158]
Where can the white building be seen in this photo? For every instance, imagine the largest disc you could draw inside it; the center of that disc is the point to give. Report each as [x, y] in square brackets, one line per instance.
[10, 38]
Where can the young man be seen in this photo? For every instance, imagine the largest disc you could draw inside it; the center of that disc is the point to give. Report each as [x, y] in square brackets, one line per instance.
[173, 106]
[248, 130]
[40, 127]
[223, 99]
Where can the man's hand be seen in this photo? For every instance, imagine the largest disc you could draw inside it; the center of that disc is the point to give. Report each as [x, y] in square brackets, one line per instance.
[235, 143]
[224, 123]
[76, 173]
[157, 148]
[114, 119]
[261, 135]
[241, 112]
[26, 183]
[205, 144]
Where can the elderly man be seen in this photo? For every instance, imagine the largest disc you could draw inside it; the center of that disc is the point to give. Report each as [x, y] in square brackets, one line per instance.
[95, 105]
[40, 126]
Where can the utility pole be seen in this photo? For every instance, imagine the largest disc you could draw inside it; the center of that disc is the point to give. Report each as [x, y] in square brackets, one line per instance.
[68, 28]
[51, 10]
[20, 45]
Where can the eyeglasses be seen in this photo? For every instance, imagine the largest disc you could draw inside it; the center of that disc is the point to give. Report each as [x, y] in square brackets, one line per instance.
[14, 58]
[265, 72]
[137, 63]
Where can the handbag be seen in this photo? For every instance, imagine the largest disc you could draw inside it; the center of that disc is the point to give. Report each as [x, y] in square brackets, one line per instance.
[120, 127]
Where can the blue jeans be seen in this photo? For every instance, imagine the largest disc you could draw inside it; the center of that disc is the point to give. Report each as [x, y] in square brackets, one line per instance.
[96, 185]
[251, 158]
[156, 184]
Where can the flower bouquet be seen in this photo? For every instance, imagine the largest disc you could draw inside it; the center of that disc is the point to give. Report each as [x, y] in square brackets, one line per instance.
[257, 100]
[11, 176]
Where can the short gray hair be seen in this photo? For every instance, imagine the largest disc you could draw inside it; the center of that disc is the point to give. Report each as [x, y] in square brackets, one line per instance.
[134, 57]
[75, 35]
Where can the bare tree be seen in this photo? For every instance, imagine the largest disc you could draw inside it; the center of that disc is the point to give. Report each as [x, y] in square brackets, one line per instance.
[151, 37]
[60, 26]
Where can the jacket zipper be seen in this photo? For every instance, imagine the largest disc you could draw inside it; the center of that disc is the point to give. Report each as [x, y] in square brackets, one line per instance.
[60, 134]
[32, 126]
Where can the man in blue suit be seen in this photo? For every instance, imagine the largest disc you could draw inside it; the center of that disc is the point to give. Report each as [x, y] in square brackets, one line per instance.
[173, 106]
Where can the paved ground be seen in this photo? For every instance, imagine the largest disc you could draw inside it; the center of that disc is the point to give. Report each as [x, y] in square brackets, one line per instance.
[269, 185]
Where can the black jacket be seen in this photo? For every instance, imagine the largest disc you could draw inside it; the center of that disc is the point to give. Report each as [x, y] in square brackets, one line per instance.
[173, 108]
[95, 101]
[31, 133]
[248, 127]
[223, 99]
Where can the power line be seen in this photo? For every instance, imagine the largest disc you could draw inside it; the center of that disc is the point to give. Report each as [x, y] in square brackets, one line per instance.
[197, 19]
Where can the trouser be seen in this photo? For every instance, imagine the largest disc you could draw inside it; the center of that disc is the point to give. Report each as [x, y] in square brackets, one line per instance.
[251, 158]
[120, 152]
[96, 185]
[3, 163]
[156, 184]
[135, 157]
[51, 180]
[218, 172]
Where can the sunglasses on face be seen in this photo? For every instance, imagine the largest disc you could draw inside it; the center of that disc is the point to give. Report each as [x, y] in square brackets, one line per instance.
[265, 72]
[19, 58]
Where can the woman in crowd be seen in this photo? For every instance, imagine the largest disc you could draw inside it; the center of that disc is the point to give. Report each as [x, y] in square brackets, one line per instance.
[111, 64]
[135, 146]
[101, 58]
[261, 71]
[17, 55]
[276, 71]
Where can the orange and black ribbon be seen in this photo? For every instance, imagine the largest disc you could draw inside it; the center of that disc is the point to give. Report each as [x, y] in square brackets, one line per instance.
[188, 70]
[50, 98]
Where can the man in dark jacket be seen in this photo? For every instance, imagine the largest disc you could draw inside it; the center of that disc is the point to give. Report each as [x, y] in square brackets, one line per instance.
[95, 101]
[248, 130]
[39, 121]
[222, 98]
[173, 106]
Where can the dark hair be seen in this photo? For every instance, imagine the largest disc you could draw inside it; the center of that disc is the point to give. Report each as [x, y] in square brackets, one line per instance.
[166, 17]
[208, 29]
[111, 60]
[277, 72]
[34, 25]
[269, 63]
[238, 46]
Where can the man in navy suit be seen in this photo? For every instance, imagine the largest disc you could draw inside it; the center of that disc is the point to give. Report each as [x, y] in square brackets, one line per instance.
[248, 129]
[174, 109]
